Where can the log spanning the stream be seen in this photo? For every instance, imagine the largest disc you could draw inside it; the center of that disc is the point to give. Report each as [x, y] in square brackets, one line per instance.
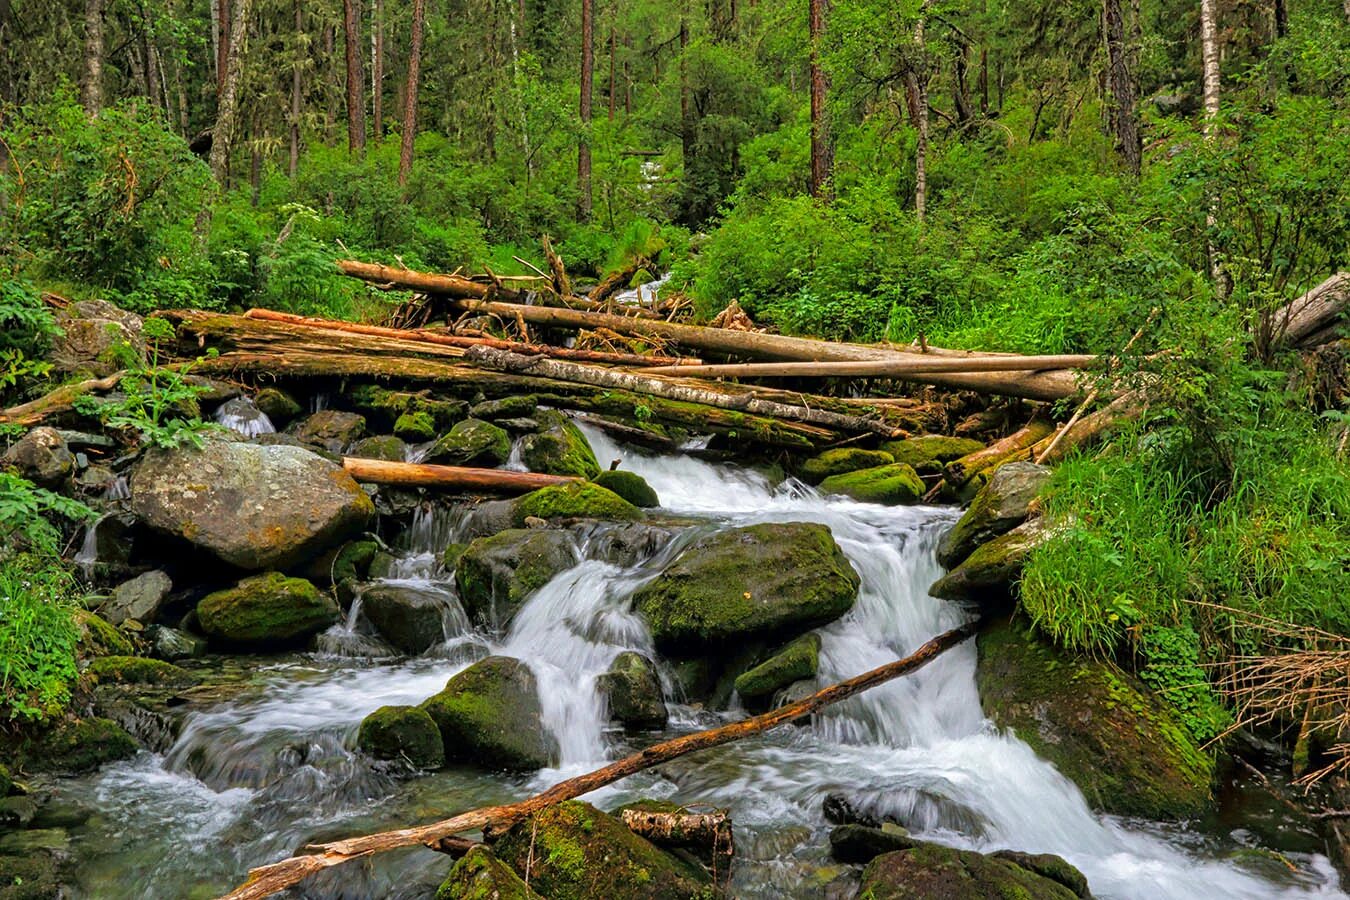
[915, 364]
[405, 474]
[267, 880]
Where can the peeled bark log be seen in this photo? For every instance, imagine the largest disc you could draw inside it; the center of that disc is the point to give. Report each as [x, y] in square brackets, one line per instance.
[967, 467]
[1301, 320]
[269, 879]
[405, 474]
[681, 829]
[913, 364]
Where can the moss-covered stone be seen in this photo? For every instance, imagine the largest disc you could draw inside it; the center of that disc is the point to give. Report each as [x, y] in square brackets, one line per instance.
[1048, 865]
[579, 500]
[30, 876]
[383, 446]
[266, 610]
[799, 659]
[409, 616]
[892, 484]
[489, 715]
[1098, 725]
[402, 732]
[841, 460]
[416, 427]
[331, 429]
[98, 638]
[516, 407]
[930, 870]
[140, 670]
[632, 690]
[559, 448]
[1003, 503]
[630, 486]
[860, 844]
[352, 561]
[472, 442]
[496, 574]
[277, 405]
[986, 577]
[383, 407]
[928, 453]
[172, 644]
[753, 582]
[576, 852]
[479, 875]
[81, 745]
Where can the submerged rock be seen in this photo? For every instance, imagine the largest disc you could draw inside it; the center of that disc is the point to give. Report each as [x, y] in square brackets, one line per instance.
[495, 574]
[331, 429]
[632, 689]
[1002, 504]
[1097, 724]
[891, 484]
[41, 456]
[479, 875]
[841, 460]
[630, 486]
[256, 507]
[489, 715]
[402, 732]
[578, 500]
[472, 442]
[986, 577]
[409, 617]
[928, 453]
[139, 598]
[559, 449]
[268, 610]
[930, 870]
[758, 581]
[798, 660]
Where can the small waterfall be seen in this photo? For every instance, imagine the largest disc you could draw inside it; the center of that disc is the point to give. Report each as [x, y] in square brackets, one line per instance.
[242, 416]
[118, 489]
[87, 557]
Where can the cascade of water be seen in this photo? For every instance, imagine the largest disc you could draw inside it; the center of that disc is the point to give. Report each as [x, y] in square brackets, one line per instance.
[118, 489]
[240, 415]
[87, 557]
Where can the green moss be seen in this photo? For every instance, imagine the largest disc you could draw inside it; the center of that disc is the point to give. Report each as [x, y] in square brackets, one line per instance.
[930, 870]
[928, 453]
[385, 447]
[98, 638]
[140, 670]
[489, 714]
[352, 561]
[472, 442]
[81, 745]
[451, 554]
[798, 660]
[416, 427]
[266, 610]
[402, 732]
[516, 407]
[384, 407]
[579, 500]
[559, 449]
[479, 875]
[896, 483]
[841, 460]
[496, 574]
[630, 486]
[31, 876]
[277, 405]
[632, 690]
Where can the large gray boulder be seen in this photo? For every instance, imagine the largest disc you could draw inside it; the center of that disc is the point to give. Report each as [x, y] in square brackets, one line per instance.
[331, 429]
[41, 456]
[252, 506]
[1000, 506]
[138, 599]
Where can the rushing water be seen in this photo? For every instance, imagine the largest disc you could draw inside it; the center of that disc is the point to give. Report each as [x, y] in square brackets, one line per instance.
[242, 416]
[251, 779]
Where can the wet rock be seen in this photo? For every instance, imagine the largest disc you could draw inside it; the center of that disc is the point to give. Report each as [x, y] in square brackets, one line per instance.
[862, 844]
[489, 715]
[385, 446]
[409, 617]
[842, 809]
[278, 406]
[140, 670]
[622, 543]
[490, 517]
[31, 876]
[417, 427]
[495, 574]
[472, 442]
[930, 870]
[516, 407]
[797, 660]
[1000, 506]
[578, 500]
[95, 480]
[632, 689]
[383, 407]
[928, 453]
[986, 577]
[96, 338]
[576, 852]
[98, 638]
[402, 732]
[331, 429]
[6, 781]
[173, 644]
[841, 460]
[559, 449]
[139, 599]
[41, 456]
[1049, 866]
[265, 611]
[756, 581]
[1097, 724]
[630, 486]
[255, 507]
[81, 745]
[519, 426]
[893, 484]
[479, 875]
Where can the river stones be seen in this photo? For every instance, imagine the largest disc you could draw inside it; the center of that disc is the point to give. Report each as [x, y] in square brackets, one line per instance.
[841, 460]
[854, 843]
[277, 405]
[517, 406]
[98, 638]
[928, 453]
[930, 870]
[410, 618]
[472, 442]
[798, 660]
[495, 574]
[268, 610]
[383, 408]
[402, 732]
[79, 745]
[41, 456]
[559, 448]
[417, 427]
[479, 875]
[893, 484]
[578, 500]
[140, 670]
[383, 446]
[139, 598]
[758, 581]
[986, 577]
[1000, 506]
[1097, 724]
[489, 715]
[630, 486]
[632, 690]
[331, 429]
[255, 507]
[576, 852]
[173, 644]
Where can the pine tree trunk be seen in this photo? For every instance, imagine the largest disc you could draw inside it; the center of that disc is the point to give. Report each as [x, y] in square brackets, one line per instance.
[377, 68]
[822, 149]
[405, 156]
[584, 140]
[91, 90]
[1122, 109]
[356, 101]
[228, 110]
[296, 87]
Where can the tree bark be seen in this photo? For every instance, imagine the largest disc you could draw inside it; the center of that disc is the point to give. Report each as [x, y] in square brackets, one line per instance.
[267, 880]
[1209, 57]
[296, 89]
[405, 474]
[611, 67]
[91, 87]
[584, 137]
[1304, 318]
[223, 29]
[356, 101]
[1122, 110]
[960, 471]
[914, 364]
[822, 148]
[405, 156]
[228, 112]
[921, 102]
[377, 68]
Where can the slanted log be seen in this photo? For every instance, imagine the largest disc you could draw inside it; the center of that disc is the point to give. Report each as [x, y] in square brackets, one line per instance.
[913, 364]
[960, 471]
[1083, 431]
[406, 474]
[58, 401]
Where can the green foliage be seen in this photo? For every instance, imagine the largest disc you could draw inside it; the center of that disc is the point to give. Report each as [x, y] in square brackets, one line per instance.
[37, 638]
[1172, 667]
[26, 328]
[26, 511]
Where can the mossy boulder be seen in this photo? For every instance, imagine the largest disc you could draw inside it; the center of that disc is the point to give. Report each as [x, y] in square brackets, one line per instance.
[632, 690]
[630, 486]
[417, 427]
[331, 429]
[841, 460]
[893, 484]
[1097, 724]
[268, 610]
[515, 407]
[472, 442]
[41, 456]
[383, 446]
[758, 581]
[489, 715]
[80, 745]
[382, 407]
[986, 577]
[31, 876]
[140, 670]
[98, 638]
[480, 875]
[930, 870]
[798, 660]
[277, 405]
[352, 561]
[928, 453]
[860, 844]
[559, 448]
[1002, 504]
[579, 500]
[495, 574]
[576, 852]
[407, 616]
[402, 732]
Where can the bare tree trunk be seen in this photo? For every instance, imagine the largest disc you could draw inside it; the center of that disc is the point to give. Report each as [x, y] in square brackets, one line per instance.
[1209, 54]
[377, 68]
[686, 116]
[921, 101]
[1122, 110]
[611, 71]
[822, 149]
[356, 101]
[154, 87]
[91, 90]
[222, 46]
[584, 139]
[405, 156]
[296, 87]
[228, 110]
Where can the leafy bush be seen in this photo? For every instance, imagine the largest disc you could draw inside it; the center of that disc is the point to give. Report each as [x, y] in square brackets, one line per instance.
[38, 635]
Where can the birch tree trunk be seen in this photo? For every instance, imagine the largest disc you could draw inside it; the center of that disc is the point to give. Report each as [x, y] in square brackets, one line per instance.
[1209, 55]
[822, 149]
[584, 139]
[405, 156]
[356, 101]
[227, 113]
[91, 90]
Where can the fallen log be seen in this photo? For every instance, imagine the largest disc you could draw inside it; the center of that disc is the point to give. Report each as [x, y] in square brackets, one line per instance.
[1299, 322]
[701, 831]
[406, 474]
[1080, 432]
[269, 879]
[615, 281]
[58, 401]
[915, 364]
[960, 471]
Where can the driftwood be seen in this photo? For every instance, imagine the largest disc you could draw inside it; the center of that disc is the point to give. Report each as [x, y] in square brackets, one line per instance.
[269, 879]
[58, 401]
[913, 364]
[405, 474]
[701, 831]
[1313, 318]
